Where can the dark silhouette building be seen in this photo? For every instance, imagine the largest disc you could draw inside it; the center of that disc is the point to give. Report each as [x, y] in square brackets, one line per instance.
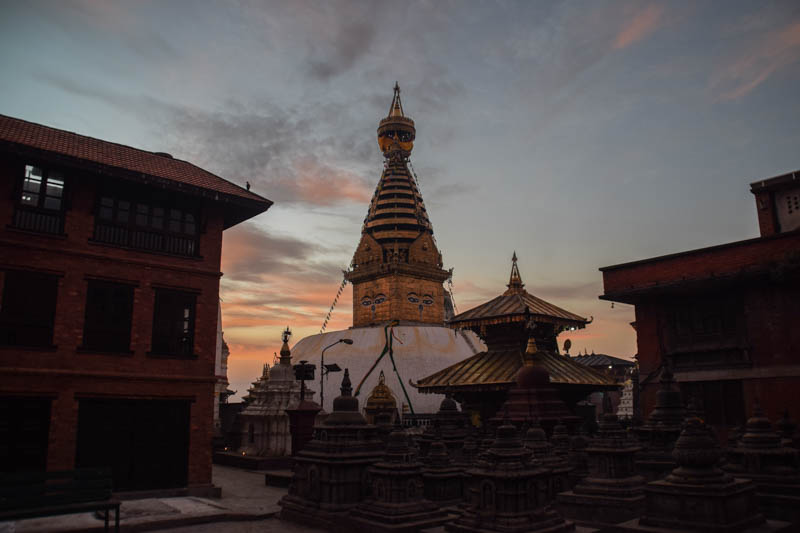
[109, 272]
[723, 317]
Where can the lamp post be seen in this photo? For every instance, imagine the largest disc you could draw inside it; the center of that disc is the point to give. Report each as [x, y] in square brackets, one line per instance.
[324, 370]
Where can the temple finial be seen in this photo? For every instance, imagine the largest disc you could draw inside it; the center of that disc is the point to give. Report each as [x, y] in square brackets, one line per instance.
[515, 280]
[396, 110]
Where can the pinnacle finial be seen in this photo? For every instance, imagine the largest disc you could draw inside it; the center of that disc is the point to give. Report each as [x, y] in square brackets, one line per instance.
[347, 387]
[515, 280]
[396, 110]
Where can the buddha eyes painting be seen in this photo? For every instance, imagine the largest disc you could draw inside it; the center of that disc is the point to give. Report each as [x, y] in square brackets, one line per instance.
[427, 299]
[366, 302]
[379, 299]
[413, 298]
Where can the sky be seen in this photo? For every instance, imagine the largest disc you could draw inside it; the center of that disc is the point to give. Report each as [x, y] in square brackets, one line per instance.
[581, 134]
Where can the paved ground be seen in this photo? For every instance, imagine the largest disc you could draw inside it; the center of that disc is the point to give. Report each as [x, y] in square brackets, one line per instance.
[246, 505]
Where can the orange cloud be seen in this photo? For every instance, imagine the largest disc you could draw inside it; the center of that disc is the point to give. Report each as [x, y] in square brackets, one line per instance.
[640, 26]
[766, 56]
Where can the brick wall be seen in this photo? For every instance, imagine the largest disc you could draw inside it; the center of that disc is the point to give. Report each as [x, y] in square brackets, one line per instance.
[65, 373]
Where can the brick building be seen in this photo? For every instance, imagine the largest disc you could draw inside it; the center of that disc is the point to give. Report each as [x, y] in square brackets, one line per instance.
[725, 317]
[109, 272]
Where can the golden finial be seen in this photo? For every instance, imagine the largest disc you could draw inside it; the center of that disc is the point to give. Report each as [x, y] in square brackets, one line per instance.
[515, 280]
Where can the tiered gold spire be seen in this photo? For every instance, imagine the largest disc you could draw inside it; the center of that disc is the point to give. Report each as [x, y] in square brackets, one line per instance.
[397, 238]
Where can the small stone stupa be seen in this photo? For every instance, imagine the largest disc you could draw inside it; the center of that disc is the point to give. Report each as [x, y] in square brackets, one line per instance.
[443, 479]
[612, 492]
[449, 425]
[545, 454]
[264, 422]
[761, 457]
[662, 429]
[508, 491]
[381, 401]
[396, 502]
[330, 473]
[698, 496]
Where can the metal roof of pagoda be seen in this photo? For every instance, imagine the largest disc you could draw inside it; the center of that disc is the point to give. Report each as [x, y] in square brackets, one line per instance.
[498, 370]
[515, 305]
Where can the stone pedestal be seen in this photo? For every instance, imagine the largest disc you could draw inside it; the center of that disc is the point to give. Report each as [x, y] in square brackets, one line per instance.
[612, 492]
[761, 457]
[301, 424]
[697, 496]
[396, 502]
[577, 458]
[661, 430]
[331, 473]
[508, 491]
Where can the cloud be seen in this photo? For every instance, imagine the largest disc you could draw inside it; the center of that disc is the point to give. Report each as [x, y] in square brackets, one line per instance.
[339, 51]
[771, 52]
[640, 26]
[288, 155]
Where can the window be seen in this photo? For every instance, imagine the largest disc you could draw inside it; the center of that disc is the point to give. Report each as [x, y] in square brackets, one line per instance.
[134, 219]
[40, 201]
[721, 402]
[173, 323]
[28, 308]
[109, 308]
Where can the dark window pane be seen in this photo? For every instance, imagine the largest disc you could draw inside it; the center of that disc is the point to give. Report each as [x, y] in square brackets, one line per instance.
[52, 203]
[109, 308]
[55, 185]
[28, 309]
[141, 214]
[189, 226]
[173, 323]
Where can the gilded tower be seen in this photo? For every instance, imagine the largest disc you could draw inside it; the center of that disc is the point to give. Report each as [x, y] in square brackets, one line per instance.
[397, 269]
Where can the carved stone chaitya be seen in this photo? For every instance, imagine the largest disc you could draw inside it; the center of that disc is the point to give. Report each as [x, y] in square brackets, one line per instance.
[661, 430]
[331, 473]
[508, 491]
[450, 425]
[264, 422]
[578, 458]
[396, 502]
[443, 480]
[612, 492]
[788, 430]
[543, 452]
[698, 496]
[761, 457]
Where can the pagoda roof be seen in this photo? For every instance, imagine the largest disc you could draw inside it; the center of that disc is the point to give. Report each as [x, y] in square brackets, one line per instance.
[497, 370]
[601, 360]
[516, 305]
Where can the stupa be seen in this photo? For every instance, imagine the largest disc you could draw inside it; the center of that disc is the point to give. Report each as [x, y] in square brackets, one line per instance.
[761, 457]
[264, 422]
[331, 472]
[449, 425]
[396, 502]
[442, 478]
[381, 401]
[698, 496]
[661, 430]
[397, 275]
[508, 491]
[612, 492]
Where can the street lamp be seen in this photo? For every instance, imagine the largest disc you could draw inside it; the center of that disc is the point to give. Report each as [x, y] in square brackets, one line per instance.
[325, 369]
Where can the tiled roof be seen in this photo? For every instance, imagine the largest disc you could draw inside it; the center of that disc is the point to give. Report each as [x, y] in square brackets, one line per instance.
[517, 303]
[600, 359]
[498, 369]
[89, 149]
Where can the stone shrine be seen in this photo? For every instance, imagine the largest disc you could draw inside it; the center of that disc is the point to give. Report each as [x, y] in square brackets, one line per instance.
[381, 401]
[698, 496]
[661, 430]
[761, 457]
[264, 422]
[450, 425]
[396, 502]
[443, 480]
[788, 430]
[508, 491]
[543, 452]
[331, 472]
[612, 492]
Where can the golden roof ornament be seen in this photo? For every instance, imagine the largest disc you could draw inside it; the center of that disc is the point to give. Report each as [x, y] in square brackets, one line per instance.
[381, 396]
[396, 132]
[515, 280]
[286, 354]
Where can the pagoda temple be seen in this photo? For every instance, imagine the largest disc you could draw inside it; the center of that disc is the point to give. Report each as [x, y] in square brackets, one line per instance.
[397, 274]
[509, 325]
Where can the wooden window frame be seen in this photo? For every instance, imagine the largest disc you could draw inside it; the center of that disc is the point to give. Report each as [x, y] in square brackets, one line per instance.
[92, 343]
[11, 323]
[38, 218]
[165, 324]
